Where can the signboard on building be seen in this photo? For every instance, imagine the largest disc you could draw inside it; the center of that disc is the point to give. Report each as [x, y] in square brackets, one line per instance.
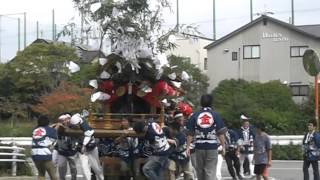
[274, 36]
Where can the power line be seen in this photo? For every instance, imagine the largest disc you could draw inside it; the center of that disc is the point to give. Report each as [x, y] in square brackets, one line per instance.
[243, 16]
[172, 25]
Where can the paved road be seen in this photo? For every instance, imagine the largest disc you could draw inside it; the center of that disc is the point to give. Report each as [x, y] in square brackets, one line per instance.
[280, 170]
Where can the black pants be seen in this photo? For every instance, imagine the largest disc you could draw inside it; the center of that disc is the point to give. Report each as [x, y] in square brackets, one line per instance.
[315, 167]
[246, 166]
[232, 161]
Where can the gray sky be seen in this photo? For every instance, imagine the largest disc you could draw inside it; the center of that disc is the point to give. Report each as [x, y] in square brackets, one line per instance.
[230, 15]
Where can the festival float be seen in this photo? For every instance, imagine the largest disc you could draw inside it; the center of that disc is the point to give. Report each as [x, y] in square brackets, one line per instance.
[134, 80]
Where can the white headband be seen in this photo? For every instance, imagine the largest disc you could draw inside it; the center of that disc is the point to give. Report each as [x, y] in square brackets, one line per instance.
[178, 115]
[64, 116]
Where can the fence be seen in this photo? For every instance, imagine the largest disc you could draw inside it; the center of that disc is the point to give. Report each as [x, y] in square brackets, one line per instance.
[20, 141]
[15, 154]
[276, 140]
[26, 141]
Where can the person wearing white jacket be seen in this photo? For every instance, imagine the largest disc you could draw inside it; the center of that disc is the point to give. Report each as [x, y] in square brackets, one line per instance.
[246, 139]
[89, 156]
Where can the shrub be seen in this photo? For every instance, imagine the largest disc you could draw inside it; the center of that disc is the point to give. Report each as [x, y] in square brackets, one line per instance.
[289, 152]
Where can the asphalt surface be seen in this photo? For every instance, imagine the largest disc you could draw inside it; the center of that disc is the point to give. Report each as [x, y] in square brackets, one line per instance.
[280, 170]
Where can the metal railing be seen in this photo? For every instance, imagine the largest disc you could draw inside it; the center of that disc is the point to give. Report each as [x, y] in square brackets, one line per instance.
[15, 155]
[276, 140]
[20, 141]
[287, 139]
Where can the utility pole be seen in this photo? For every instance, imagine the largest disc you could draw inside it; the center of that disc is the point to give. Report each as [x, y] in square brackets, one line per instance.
[251, 11]
[292, 12]
[316, 99]
[0, 36]
[25, 30]
[177, 26]
[214, 19]
[53, 39]
[81, 30]
[55, 32]
[37, 29]
[18, 34]
[19, 30]
[71, 34]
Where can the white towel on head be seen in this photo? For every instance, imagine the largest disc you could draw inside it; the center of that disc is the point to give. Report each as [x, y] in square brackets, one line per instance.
[243, 117]
[64, 116]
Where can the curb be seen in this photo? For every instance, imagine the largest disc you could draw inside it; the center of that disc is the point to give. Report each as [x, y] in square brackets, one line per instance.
[19, 178]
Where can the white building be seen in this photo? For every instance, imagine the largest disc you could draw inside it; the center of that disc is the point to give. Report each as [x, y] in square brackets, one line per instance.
[263, 50]
[193, 48]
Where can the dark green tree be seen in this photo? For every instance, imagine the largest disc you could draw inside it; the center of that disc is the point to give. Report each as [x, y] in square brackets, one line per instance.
[308, 106]
[37, 70]
[87, 72]
[269, 102]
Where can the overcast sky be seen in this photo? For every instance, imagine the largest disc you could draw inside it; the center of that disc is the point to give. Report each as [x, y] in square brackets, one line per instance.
[230, 15]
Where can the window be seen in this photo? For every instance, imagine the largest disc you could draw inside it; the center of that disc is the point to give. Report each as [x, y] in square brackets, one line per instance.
[297, 51]
[299, 90]
[251, 52]
[205, 64]
[234, 56]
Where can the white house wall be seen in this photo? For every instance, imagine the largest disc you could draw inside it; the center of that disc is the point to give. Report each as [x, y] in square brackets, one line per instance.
[193, 49]
[275, 62]
[221, 66]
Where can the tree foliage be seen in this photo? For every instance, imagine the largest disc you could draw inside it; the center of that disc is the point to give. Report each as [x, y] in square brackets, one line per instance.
[36, 70]
[33, 72]
[308, 107]
[87, 72]
[129, 20]
[65, 98]
[269, 102]
[198, 83]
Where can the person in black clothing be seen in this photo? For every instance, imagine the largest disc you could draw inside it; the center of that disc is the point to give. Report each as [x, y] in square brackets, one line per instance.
[182, 162]
[311, 145]
[43, 138]
[123, 149]
[67, 149]
[89, 155]
[157, 162]
[232, 153]
[207, 128]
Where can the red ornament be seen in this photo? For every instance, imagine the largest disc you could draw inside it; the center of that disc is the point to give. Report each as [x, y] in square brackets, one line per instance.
[106, 86]
[151, 99]
[162, 88]
[185, 108]
[113, 98]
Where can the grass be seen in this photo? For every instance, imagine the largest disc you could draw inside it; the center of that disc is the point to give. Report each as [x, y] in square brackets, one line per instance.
[17, 128]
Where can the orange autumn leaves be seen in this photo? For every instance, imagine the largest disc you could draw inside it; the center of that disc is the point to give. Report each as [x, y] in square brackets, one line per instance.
[66, 97]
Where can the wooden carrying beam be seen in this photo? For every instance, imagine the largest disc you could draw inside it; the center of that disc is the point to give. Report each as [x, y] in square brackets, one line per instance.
[99, 133]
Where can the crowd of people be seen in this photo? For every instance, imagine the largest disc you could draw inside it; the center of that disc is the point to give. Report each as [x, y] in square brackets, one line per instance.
[51, 151]
[189, 145]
